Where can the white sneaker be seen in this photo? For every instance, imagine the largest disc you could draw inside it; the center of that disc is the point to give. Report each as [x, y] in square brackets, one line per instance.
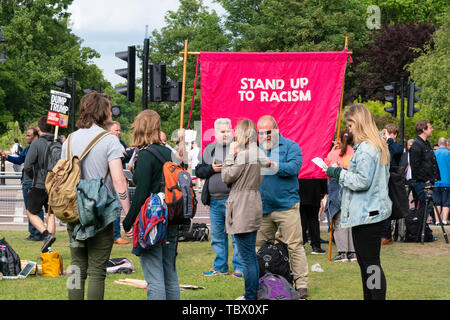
[240, 298]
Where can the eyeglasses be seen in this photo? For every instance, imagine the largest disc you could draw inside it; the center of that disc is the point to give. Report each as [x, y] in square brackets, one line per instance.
[265, 132]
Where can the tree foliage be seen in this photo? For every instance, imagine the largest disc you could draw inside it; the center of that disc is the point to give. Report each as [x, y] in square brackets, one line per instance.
[41, 49]
[202, 27]
[383, 61]
[431, 71]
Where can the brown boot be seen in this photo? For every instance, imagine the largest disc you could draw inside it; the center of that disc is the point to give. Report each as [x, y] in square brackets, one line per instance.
[303, 292]
[121, 241]
[385, 241]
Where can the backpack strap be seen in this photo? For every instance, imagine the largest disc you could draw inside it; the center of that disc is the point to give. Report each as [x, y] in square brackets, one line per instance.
[69, 147]
[93, 142]
[156, 153]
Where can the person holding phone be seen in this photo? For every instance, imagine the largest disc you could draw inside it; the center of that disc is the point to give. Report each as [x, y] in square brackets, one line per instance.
[365, 201]
[242, 171]
[215, 194]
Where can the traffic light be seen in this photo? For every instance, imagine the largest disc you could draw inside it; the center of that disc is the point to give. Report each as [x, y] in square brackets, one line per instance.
[172, 91]
[411, 99]
[88, 90]
[63, 84]
[392, 99]
[157, 81]
[128, 73]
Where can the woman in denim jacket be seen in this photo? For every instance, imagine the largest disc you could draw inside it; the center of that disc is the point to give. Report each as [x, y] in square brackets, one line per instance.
[365, 201]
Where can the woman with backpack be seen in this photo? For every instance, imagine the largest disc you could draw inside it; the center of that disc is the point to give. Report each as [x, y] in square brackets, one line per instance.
[365, 200]
[243, 169]
[158, 262]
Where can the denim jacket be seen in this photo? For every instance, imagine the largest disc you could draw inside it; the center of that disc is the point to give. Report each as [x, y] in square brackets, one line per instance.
[365, 186]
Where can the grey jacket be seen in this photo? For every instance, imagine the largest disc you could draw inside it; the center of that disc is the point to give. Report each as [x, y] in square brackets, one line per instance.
[365, 188]
[34, 162]
[244, 205]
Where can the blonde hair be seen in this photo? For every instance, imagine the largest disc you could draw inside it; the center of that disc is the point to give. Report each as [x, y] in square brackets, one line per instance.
[245, 132]
[365, 129]
[146, 129]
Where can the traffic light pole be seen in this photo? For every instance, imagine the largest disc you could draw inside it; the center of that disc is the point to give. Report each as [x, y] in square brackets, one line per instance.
[145, 74]
[402, 111]
[72, 110]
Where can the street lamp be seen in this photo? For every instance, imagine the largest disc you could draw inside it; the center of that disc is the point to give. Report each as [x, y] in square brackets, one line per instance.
[2, 40]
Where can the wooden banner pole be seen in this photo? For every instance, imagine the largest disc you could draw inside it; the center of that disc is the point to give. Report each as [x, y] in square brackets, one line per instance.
[330, 236]
[184, 83]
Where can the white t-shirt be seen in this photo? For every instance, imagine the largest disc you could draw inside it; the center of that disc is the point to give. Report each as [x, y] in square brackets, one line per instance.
[193, 157]
[95, 164]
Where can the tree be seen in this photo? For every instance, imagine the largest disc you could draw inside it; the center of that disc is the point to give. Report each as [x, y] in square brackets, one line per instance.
[301, 25]
[406, 11]
[431, 71]
[202, 28]
[383, 61]
[41, 49]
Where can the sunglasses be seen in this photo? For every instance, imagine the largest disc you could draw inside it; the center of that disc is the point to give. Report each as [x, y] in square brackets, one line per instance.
[265, 132]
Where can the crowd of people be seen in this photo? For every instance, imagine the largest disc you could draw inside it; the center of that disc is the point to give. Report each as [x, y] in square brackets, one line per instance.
[250, 183]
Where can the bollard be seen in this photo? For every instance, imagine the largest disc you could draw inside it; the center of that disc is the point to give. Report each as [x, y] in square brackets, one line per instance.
[2, 170]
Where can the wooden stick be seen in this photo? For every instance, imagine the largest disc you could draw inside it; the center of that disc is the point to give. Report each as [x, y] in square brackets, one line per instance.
[184, 83]
[191, 52]
[330, 237]
[56, 133]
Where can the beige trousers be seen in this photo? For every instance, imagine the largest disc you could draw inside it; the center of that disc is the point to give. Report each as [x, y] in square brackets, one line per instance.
[289, 224]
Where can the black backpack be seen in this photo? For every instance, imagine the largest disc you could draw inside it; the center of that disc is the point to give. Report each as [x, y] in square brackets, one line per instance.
[397, 193]
[52, 154]
[273, 257]
[413, 224]
[14, 265]
[193, 232]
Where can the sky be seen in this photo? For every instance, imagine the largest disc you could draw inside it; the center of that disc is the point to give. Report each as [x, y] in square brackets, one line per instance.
[110, 26]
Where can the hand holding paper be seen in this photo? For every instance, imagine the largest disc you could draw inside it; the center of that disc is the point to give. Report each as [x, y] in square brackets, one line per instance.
[319, 162]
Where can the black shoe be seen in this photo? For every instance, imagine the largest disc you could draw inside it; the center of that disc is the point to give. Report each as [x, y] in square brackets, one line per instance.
[48, 241]
[323, 241]
[34, 238]
[318, 251]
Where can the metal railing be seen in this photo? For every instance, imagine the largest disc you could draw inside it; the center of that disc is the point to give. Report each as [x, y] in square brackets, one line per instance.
[13, 211]
[12, 206]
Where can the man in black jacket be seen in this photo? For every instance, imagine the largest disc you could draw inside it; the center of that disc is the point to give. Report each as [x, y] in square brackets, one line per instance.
[424, 167]
[37, 195]
[215, 194]
[390, 133]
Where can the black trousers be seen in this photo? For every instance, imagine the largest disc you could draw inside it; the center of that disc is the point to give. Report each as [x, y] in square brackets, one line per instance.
[367, 242]
[310, 222]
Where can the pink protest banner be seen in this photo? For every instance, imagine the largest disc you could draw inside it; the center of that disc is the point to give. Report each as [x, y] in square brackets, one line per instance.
[301, 90]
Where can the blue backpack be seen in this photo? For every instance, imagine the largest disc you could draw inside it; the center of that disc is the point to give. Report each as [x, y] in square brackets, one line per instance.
[151, 225]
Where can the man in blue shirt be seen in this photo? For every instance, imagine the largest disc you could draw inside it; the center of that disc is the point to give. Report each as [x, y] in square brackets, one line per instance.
[31, 134]
[441, 193]
[280, 198]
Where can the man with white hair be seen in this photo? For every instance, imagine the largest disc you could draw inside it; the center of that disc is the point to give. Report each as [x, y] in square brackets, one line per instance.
[215, 194]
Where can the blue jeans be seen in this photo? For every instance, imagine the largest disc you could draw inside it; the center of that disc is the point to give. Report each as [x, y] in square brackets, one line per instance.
[117, 229]
[219, 238]
[31, 229]
[160, 271]
[246, 244]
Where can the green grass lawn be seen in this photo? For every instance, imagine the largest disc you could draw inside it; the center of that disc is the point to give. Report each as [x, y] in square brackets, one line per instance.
[413, 272]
